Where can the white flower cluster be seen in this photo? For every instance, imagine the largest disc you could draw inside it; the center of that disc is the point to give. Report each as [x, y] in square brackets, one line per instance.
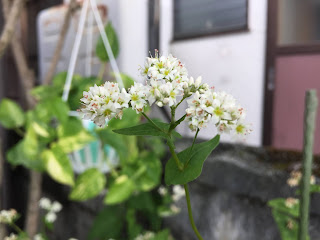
[39, 236]
[146, 236]
[178, 193]
[218, 108]
[167, 78]
[51, 207]
[166, 81]
[11, 237]
[104, 102]
[8, 216]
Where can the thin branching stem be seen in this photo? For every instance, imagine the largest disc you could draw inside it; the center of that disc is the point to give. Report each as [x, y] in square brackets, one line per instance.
[152, 122]
[190, 213]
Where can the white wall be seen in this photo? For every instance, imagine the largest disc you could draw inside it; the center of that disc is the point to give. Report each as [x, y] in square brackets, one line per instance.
[130, 19]
[232, 62]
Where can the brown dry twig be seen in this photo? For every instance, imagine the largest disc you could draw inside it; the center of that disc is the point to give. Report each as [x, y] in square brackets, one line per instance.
[73, 5]
[28, 80]
[11, 21]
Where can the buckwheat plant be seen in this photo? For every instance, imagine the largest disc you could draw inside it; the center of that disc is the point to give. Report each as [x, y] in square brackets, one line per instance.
[167, 83]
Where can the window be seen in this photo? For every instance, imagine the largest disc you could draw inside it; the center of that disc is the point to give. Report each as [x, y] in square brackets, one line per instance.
[298, 22]
[204, 17]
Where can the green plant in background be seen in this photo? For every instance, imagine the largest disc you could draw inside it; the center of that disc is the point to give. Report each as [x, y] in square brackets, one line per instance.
[292, 214]
[167, 83]
[51, 209]
[49, 135]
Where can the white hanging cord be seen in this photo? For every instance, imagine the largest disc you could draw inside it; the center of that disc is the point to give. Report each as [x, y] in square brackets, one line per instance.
[75, 51]
[106, 43]
[88, 68]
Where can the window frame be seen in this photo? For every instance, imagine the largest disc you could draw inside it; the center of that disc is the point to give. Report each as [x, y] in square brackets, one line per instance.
[202, 35]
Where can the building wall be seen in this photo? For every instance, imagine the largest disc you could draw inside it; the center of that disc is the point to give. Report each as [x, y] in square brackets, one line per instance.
[130, 19]
[232, 62]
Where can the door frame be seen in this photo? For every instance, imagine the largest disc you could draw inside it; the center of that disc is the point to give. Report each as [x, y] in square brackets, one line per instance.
[272, 51]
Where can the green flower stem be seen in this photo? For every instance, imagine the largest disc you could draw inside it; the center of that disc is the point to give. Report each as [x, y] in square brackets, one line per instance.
[180, 102]
[16, 228]
[152, 122]
[19, 132]
[190, 213]
[174, 155]
[311, 103]
[173, 115]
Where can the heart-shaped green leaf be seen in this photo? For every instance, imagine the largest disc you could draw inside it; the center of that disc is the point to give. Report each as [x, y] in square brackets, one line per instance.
[193, 169]
[120, 190]
[11, 114]
[88, 185]
[73, 136]
[58, 165]
[114, 44]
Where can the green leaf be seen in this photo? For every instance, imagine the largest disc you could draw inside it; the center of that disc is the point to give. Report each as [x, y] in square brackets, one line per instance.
[43, 92]
[18, 155]
[127, 80]
[133, 227]
[120, 190]
[130, 118]
[199, 154]
[88, 185]
[73, 136]
[108, 224]
[142, 201]
[163, 235]
[27, 152]
[114, 43]
[11, 114]
[151, 176]
[279, 204]
[114, 140]
[282, 221]
[58, 165]
[49, 109]
[58, 108]
[59, 80]
[146, 129]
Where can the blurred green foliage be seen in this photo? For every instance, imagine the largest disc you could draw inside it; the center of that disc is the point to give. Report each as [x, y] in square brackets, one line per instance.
[49, 134]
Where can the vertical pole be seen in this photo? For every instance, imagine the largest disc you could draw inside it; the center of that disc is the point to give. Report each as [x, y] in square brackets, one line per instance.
[311, 103]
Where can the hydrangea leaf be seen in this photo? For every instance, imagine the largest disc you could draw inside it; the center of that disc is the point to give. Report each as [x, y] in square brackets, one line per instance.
[120, 190]
[58, 165]
[114, 43]
[88, 185]
[199, 154]
[11, 114]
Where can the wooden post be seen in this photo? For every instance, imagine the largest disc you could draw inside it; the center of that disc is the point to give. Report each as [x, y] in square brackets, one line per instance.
[311, 103]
